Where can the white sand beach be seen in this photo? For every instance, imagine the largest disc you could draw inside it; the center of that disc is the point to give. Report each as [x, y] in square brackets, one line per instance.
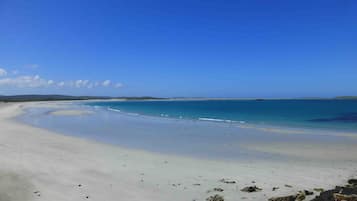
[36, 164]
[71, 112]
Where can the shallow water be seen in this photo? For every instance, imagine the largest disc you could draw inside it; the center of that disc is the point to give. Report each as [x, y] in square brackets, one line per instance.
[169, 135]
[340, 115]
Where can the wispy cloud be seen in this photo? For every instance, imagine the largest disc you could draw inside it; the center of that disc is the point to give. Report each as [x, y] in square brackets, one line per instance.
[106, 83]
[61, 84]
[3, 72]
[35, 81]
[24, 81]
[50, 82]
[118, 85]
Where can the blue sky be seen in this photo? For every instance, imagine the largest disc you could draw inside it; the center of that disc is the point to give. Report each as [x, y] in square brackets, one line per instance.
[179, 48]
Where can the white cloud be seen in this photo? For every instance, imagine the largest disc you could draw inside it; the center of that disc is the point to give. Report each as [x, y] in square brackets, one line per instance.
[106, 83]
[24, 81]
[3, 72]
[35, 81]
[81, 83]
[118, 85]
[78, 83]
[61, 84]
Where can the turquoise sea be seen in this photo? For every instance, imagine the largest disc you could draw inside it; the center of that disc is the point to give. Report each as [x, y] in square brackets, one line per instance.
[220, 129]
[322, 114]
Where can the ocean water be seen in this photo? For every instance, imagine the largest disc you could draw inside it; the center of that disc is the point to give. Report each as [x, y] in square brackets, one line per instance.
[202, 129]
[322, 114]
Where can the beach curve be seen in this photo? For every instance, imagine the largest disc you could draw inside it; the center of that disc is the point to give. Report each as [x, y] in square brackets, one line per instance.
[67, 168]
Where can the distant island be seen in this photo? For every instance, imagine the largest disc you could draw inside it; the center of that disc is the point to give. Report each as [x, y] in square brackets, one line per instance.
[346, 97]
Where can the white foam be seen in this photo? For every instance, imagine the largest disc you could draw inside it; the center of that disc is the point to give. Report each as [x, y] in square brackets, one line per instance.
[212, 119]
[220, 120]
[114, 110]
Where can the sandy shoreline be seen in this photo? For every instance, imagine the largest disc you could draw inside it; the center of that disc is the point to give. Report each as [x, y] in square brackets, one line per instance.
[37, 164]
[68, 112]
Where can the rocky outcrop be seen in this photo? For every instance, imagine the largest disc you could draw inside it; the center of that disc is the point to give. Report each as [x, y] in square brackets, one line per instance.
[215, 198]
[251, 189]
[300, 196]
[352, 182]
[327, 195]
[341, 197]
[346, 193]
[284, 198]
[339, 193]
[308, 192]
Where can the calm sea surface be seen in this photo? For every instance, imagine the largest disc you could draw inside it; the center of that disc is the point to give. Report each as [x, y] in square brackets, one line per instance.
[323, 114]
[213, 129]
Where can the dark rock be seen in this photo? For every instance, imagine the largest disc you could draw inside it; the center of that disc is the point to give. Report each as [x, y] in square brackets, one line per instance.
[300, 196]
[215, 198]
[227, 181]
[37, 193]
[318, 189]
[349, 190]
[285, 198]
[343, 191]
[353, 182]
[308, 192]
[218, 189]
[327, 195]
[346, 193]
[275, 188]
[342, 197]
[251, 189]
[288, 186]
